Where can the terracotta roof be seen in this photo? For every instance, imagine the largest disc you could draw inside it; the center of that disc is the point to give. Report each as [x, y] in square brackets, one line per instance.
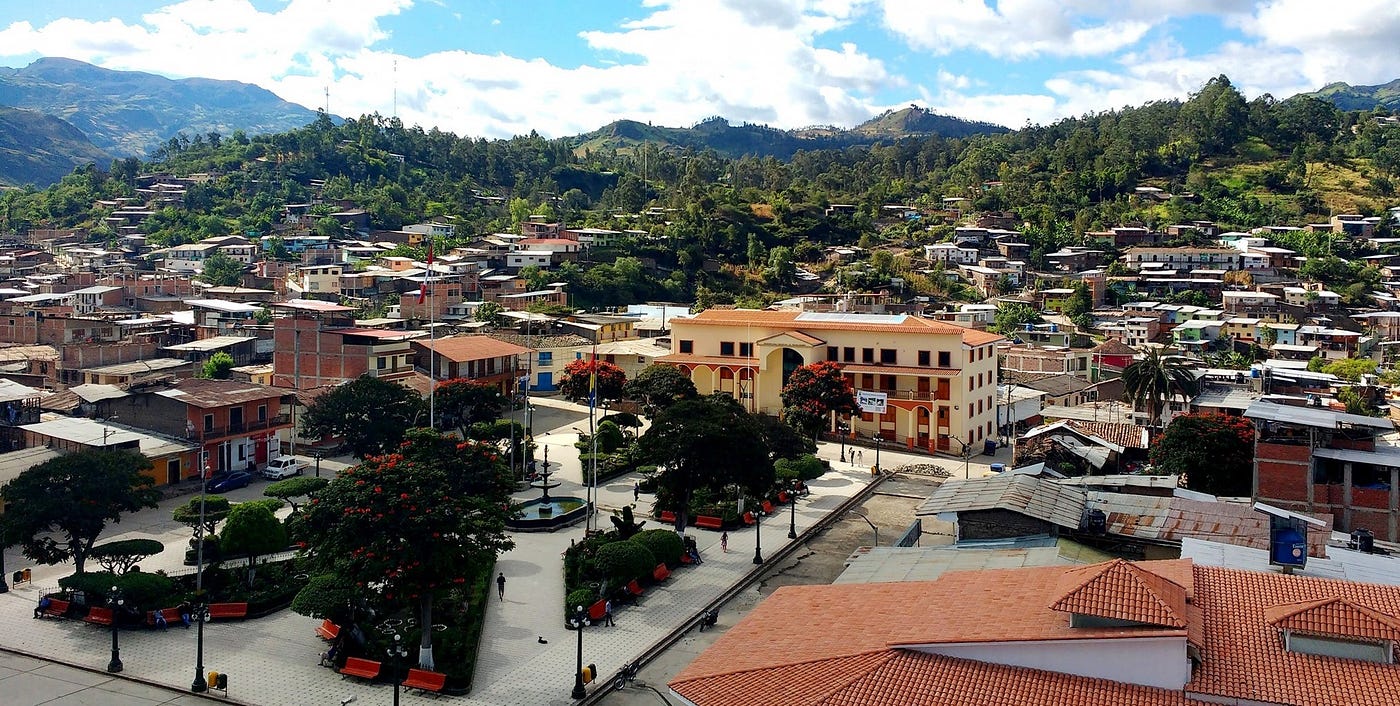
[1114, 346]
[206, 393]
[1334, 617]
[793, 320]
[1121, 590]
[1129, 436]
[464, 348]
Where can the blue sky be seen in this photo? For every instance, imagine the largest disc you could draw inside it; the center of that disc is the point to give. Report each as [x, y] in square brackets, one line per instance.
[496, 68]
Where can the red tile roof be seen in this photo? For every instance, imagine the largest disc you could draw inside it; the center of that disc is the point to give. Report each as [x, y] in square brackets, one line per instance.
[1121, 590]
[1334, 617]
[1129, 436]
[459, 349]
[788, 319]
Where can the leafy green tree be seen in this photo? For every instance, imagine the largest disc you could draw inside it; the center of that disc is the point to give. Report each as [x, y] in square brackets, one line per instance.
[813, 393]
[462, 402]
[217, 367]
[710, 443]
[489, 312]
[781, 271]
[328, 226]
[58, 508]
[370, 414]
[221, 270]
[119, 556]
[1010, 317]
[1214, 453]
[1268, 336]
[578, 377]
[288, 489]
[252, 530]
[659, 386]
[1350, 368]
[1153, 381]
[447, 502]
[216, 509]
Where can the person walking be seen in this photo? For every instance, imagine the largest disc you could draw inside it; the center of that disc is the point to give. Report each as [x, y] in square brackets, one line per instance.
[724, 542]
[636, 491]
[501, 585]
[607, 614]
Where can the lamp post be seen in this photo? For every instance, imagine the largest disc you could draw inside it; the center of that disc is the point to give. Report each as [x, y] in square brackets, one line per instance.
[576, 622]
[200, 685]
[757, 534]
[317, 456]
[116, 602]
[872, 526]
[841, 431]
[966, 454]
[396, 652]
[792, 519]
[878, 442]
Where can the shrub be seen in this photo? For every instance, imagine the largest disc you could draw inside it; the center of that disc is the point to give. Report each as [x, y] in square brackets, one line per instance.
[664, 544]
[621, 562]
[97, 585]
[579, 597]
[324, 596]
[806, 467]
[609, 437]
[145, 591]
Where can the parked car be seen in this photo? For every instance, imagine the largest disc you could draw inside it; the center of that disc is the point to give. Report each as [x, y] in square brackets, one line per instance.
[283, 467]
[230, 481]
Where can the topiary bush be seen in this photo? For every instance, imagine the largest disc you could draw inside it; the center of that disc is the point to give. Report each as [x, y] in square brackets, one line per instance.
[580, 597]
[664, 544]
[806, 467]
[621, 562]
[609, 437]
[324, 596]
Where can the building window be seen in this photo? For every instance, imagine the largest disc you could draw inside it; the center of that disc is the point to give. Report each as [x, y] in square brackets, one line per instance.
[848, 354]
[381, 363]
[262, 412]
[833, 353]
[746, 350]
[867, 381]
[208, 423]
[945, 359]
[726, 348]
[924, 358]
[687, 346]
[888, 356]
[546, 358]
[867, 355]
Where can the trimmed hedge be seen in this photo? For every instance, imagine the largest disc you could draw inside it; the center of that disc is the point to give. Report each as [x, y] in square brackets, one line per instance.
[621, 562]
[140, 590]
[579, 597]
[664, 544]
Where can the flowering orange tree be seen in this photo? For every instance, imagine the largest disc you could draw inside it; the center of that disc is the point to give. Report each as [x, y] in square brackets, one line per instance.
[403, 526]
[577, 375]
[812, 393]
[1213, 452]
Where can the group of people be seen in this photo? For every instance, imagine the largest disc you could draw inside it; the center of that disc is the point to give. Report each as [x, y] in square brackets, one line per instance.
[158, 620]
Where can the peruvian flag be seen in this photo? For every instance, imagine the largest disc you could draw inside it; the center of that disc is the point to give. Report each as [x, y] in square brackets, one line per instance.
[423, 288]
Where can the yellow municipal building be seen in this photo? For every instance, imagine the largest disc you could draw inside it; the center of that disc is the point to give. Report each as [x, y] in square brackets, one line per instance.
[940, 378]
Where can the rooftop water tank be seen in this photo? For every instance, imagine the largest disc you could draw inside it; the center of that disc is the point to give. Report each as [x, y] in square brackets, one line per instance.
[1288, 547]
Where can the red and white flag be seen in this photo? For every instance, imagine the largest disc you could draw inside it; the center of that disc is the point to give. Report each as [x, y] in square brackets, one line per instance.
[423, 289]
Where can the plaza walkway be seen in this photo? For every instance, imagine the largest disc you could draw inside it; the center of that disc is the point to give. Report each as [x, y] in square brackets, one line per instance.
[274, 660]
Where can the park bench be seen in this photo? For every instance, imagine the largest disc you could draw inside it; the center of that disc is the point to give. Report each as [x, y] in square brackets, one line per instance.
[597, 611]
[225, 611]
[709, 522]
[782, 497]
[685, 559]
[424, 680]
[171, 615]
[668, 516]
[633, 588]
[767, 508]
[357, 667]
[660, 573]
[56, 609]
[748, 518]
[328, 630]
[97, 615]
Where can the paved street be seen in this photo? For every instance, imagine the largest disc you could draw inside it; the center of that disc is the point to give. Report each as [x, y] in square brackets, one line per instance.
[274, 660]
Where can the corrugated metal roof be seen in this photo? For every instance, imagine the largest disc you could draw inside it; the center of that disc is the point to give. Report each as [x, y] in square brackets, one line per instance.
[1040, 498]
[1313, 416]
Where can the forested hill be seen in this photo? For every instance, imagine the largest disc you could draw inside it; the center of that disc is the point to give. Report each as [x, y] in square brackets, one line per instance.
[1349, 97]
[735, 141]
[40, 149]
[725, 227]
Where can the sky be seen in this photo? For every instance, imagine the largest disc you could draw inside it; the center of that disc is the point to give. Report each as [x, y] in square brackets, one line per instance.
[497, 68]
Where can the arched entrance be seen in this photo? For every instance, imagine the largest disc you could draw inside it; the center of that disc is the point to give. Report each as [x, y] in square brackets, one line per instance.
[792, 360]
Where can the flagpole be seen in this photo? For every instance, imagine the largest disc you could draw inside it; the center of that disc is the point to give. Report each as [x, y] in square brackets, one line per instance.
[432, 341]
[593, 431]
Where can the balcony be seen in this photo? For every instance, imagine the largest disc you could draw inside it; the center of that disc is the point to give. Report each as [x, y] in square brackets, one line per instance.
[926, 395]
[219, 431]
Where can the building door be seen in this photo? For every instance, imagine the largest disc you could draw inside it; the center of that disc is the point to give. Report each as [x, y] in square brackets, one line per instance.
[546, 382]
[172, 471]
[792, 360]
[235, 419]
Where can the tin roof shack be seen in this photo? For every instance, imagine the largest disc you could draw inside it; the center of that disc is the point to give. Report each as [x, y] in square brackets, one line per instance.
[172, 459]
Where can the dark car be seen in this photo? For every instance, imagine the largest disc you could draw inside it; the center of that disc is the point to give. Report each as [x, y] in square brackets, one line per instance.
[228, 481]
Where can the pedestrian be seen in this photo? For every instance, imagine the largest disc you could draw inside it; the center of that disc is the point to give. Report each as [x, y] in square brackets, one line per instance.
[158, 619]
[636, 491]
[607, 613]
[724, 542]
[184, 609]
[43, 607]
[501, 585]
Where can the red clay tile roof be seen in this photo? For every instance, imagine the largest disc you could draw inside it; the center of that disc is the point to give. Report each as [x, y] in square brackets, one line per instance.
[1128, 436]
[788, 319]
[907, 678]
[1121, 590]
[1334, 617]
[460, 349]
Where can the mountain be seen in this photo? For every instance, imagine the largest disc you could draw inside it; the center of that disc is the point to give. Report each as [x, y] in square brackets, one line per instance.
[1349, 97]
[738, 140]
[40, 149]
[130, 113]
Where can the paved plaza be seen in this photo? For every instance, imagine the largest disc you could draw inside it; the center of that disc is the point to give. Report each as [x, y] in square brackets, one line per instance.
[273, 660]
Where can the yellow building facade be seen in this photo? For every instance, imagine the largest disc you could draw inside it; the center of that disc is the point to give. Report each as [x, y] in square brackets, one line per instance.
[939, 378]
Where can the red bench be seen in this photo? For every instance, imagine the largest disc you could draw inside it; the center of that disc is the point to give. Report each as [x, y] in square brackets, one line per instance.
[767, 508]
[633, 588]
[685, 559]
[97, 615]
[357, 667]
[597, 611]
[748, 518]
[668, 516]
[226, 611]
[56, 609]
[424, 680]
[660, 573]
[171, 615]
[782, 497]
[708, 522]
[328, 630]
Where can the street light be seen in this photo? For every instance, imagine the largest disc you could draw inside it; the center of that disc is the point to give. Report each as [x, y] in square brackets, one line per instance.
[576, 622]
[878, 440]
[116, 602]
[966, 454]
[757, 531]
[396, 652]
[872, 526]
[841, 431]
[792, 519]
[200, 685]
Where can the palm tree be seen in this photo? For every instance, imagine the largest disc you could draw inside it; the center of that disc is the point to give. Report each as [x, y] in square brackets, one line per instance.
[1155, 380]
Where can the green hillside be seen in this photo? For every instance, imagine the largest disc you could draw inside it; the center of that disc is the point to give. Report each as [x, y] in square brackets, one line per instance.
[1349, 97]
[39, 149]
